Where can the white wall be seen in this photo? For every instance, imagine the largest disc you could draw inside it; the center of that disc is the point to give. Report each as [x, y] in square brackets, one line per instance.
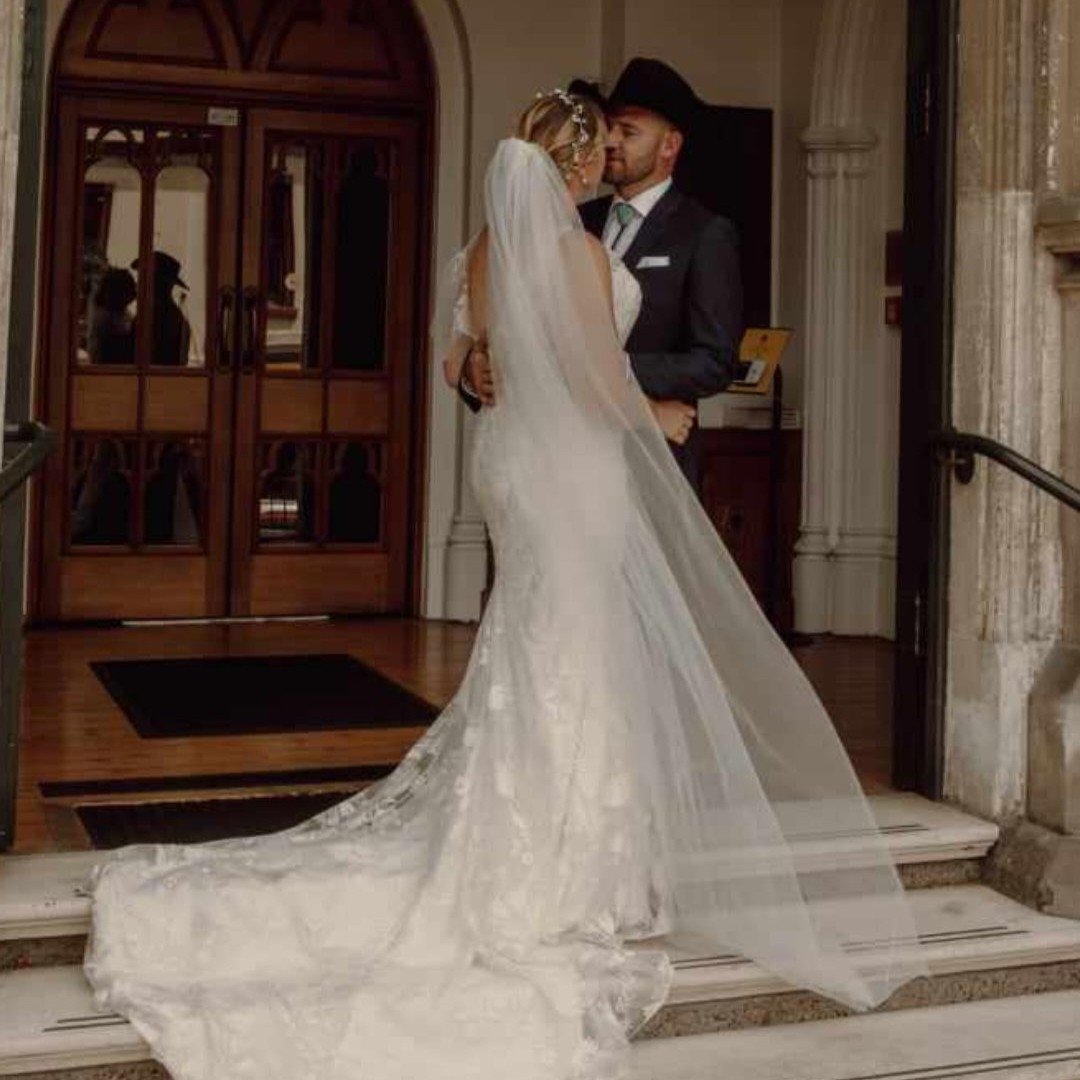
[728, 50]
[517, 51]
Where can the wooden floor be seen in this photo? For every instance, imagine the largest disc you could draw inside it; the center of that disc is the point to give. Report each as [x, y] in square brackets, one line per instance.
[74, 731]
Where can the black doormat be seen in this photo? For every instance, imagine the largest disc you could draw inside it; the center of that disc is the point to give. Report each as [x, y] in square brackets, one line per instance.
[112, 825]
[257, 695]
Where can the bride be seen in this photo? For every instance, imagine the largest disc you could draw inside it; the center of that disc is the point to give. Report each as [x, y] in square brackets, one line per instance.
[632, 766]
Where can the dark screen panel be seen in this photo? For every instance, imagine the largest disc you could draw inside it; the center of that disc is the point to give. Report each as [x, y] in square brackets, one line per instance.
[727, 165]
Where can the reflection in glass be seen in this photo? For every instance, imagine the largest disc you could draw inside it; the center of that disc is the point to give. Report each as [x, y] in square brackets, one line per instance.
[170, 344]
[355, 493]
[286, 492]
[173, 492]
[110, 318]
[361, 259]
[294, 224]
[181, 258]
[102, 468]
[112, 207]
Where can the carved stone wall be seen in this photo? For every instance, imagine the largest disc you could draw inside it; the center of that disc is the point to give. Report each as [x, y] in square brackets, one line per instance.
[1054, 717]
[1005, 569]
[1013, 574]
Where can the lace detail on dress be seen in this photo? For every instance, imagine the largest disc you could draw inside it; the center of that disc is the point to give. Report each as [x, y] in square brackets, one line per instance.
[626, 296]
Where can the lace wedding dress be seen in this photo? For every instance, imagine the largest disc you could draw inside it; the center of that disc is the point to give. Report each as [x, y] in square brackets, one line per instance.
[485, 911]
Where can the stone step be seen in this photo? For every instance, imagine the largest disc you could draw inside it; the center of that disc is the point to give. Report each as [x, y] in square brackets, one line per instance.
[977, 944]
[1027, 1038]
[43, 917]
[48, 1021]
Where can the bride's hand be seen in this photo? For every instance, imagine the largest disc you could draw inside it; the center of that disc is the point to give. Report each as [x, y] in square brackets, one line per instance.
[676, 419]
[479, 374]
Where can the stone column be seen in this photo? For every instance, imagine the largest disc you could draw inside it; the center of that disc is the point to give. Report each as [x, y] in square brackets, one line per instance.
[1013, 710]
[11, 72]
[1054, 720]
[1005, 584]
[838, 164]
[11, 37]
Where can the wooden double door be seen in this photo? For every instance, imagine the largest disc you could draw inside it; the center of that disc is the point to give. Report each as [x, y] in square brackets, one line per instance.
[231, 349]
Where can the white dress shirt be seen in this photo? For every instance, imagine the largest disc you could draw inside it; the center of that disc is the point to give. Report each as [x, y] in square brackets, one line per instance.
[643, 203]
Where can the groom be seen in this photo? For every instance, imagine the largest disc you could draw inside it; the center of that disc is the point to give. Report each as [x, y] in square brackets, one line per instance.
[684, 346]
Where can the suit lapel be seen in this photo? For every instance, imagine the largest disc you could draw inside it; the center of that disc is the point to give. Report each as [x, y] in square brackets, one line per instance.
[652, 226]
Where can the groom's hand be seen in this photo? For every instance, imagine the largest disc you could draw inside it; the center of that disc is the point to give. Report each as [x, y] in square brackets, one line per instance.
[676, 419]
[478, 375]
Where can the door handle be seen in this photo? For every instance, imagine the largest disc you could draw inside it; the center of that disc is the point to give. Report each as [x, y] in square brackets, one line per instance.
[251, 327]
[226, 327]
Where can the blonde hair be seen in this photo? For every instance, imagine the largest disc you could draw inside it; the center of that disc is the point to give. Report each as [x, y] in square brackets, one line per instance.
[568, 126]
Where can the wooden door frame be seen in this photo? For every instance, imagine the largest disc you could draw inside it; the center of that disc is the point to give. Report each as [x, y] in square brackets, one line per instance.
[302, 91]
[926, 398]
[71, 112]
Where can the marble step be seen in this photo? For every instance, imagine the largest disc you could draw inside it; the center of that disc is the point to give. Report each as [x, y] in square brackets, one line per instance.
[43, 916]
[1026, 1038]
[977, 944]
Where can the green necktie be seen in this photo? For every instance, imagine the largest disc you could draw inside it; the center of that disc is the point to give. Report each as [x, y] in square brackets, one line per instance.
[624, 214]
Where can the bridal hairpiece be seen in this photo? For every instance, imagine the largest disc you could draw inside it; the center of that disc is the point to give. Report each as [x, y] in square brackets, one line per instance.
[577, 115]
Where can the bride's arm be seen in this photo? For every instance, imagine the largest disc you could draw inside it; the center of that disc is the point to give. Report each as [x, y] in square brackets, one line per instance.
[464, 340]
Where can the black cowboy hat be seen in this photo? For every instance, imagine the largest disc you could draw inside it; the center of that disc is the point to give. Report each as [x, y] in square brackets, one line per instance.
[651, 84]
[166, 269]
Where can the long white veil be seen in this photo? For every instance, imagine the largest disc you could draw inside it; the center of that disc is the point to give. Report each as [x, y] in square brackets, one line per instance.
[735, 751]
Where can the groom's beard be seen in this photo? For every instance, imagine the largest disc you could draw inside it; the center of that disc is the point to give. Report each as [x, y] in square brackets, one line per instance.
[621, 173]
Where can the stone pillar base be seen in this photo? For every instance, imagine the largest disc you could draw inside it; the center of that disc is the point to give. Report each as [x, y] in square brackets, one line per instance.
[1038, 867]
[847, 591]
[1054, 742]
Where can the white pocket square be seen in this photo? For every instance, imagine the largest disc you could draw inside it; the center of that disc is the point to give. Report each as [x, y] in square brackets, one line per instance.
[647, 262]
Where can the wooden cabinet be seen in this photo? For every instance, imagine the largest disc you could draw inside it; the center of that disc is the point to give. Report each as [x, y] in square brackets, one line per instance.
[736, 466]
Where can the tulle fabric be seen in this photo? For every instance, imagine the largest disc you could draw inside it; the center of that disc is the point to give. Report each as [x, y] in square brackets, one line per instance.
[632, 763]
[730, 746]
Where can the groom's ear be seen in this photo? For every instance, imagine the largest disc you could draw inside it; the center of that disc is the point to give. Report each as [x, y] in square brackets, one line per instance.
[672, 143]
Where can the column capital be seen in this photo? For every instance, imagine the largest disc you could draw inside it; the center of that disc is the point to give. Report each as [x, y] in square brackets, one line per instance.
[838, 151]
[840, 139]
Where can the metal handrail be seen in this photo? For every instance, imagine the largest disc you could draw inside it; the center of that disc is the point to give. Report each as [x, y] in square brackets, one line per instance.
[39, 442]
[964, 445]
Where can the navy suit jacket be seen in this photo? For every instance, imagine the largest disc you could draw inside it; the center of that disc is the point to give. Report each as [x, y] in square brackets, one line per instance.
[685, 343]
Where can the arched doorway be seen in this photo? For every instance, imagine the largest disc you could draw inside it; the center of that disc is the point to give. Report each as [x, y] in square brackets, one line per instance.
[235, 297]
